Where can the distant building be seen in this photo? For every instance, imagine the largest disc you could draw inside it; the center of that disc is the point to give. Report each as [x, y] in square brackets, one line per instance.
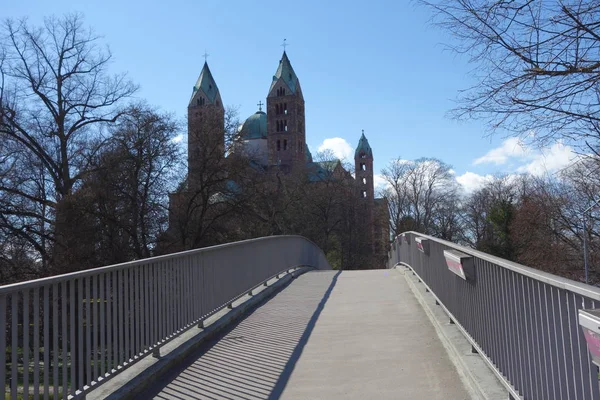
[276, 139]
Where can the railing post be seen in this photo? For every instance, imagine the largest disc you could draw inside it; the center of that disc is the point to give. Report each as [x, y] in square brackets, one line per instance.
[156, 352]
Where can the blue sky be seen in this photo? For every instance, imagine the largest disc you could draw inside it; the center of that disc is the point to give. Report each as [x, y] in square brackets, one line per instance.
[378, 66]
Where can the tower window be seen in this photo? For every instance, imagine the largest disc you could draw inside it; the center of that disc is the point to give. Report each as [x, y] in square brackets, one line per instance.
[285, 125]
[281, 91]
[285, 108]
[364, 194]
[285, 144]
[363, 166]
[364, 181]
[278, 145]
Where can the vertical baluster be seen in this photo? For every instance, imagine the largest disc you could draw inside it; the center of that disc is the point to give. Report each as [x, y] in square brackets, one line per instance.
[3, 341]
[115, 312]
[102, 326]
[160, 318]
[109, 301]
[138, 311]
[175, 293]
[146, 307]
[36, 343]
[63, 331]
[120, 322]
[187, 294]
[152, 299]
[14, 364]
[168, 310]
[88, 331]
[126, 317]
[26, 342]
[80, 333]
[73, 351]
[131, 318]
[94, 307]
[55, 349]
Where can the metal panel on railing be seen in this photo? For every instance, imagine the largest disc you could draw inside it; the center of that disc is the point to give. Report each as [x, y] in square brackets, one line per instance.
[523, 321]
[65, 334]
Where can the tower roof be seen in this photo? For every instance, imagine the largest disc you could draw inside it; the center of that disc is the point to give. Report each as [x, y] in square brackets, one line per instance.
[363, 146]
[206, 83]
[285, 72]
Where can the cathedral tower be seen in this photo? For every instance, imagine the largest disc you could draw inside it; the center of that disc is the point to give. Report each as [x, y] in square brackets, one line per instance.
[285, 118]
[363, 169]
[206, 126]
[363, 166]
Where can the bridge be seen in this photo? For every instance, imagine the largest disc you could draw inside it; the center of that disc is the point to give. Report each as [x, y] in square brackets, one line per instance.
[268, 318]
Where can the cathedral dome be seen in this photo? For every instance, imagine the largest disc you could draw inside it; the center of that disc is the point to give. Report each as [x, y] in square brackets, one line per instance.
[255, 127]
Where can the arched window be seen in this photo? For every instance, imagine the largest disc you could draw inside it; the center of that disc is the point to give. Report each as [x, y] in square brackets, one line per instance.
[285, 144]
[285, 125]
[364, 181]
[278, 145]
[285, 108]
[363, 166]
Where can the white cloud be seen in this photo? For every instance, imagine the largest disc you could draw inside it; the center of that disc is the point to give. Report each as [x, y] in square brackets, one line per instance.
[471, 181]
[340, 148]
[527, 159]
[379, 182]
[510, 148]
[551, 159]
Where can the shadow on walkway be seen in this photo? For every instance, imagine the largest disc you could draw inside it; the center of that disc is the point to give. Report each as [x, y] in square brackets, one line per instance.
[254, 358]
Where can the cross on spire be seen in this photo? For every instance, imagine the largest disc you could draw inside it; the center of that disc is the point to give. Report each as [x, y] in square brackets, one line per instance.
[205, 55]
[363, 131]
[284, 44]
[260, 104]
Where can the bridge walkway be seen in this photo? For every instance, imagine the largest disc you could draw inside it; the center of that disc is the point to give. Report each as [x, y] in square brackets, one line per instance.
[328, 335]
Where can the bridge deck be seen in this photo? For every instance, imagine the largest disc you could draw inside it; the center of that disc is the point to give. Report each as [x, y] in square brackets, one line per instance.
[328, 335]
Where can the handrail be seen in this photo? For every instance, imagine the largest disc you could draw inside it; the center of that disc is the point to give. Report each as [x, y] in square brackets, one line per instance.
[71, 332]
[6, 289]
[554, 280]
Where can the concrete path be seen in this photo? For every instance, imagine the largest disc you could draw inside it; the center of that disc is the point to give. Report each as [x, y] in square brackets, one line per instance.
[329, 335]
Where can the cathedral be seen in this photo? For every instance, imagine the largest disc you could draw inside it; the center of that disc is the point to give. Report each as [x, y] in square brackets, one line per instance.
[276, 140]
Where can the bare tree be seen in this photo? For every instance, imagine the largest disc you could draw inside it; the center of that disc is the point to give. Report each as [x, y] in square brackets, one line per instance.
[537, 65]
[55, 93]
[128, 184]
[417, 190]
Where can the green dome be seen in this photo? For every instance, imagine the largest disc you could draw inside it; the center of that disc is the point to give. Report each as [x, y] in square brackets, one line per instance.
[255, 127]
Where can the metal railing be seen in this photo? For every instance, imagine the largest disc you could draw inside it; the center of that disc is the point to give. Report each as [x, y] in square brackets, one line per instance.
[61, 336]
[521, 320]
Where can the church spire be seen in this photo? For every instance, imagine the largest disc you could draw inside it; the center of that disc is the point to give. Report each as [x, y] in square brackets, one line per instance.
[363, 148]
[205, 91]
[286, 73]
